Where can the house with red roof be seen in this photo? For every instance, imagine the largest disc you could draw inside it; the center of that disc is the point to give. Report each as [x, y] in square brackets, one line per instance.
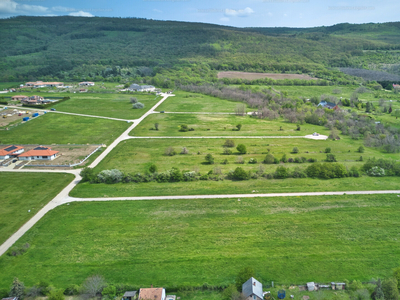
[152, 294]
[39, 153]
[19, 97]
[11, 151]
[39, 84]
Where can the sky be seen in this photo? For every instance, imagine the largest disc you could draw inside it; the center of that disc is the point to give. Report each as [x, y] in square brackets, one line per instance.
[238, 13]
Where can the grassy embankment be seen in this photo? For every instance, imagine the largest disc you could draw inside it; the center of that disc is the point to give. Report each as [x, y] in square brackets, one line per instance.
[187, 243]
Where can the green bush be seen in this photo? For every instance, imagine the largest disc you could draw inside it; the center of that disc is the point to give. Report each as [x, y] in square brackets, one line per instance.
[241, 149]
[361, 149]
[209, 159]
[252, 161]
[330, 158]
[269, 159]
[281, 173]
[229, 143]
[153, 168]
[240, 174]
[56, 295]
[295, 150]
[328, 150]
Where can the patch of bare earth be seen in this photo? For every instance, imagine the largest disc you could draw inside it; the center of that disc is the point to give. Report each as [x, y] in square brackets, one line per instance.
[253, 76]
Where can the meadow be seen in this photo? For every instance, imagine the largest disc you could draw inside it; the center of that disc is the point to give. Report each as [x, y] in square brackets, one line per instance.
[220, 125]
[175, 243]
[26, 191]
[194, 102]
[54, 128]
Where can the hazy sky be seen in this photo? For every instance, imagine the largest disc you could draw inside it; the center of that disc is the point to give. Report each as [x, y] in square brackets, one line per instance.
[240, 13]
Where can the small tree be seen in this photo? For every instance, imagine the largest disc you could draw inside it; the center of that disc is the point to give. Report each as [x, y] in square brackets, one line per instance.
[241, 148]
[184, 128]
[330, 158]
[269, 159]
[390, 109]
[156, 126]
[184, 150]
[244, 275]
[227, 151]
[390, 290]
[134, 100]
[284, 159]
[229, 143]
[93, 286]
[328, 150]
[239, 126]
[240, 160]
[17, 289]
[361, 149]
[153, 168]
[209, 159]
[295, 150]
[87, 174]
[170, 151]
[56, 295]
[281, 172]
[138, 105]
[298, 127]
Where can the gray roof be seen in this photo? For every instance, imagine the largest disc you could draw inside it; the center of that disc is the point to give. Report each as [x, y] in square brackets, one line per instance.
[310, 286]
[252, 286]
[137, 87]
[130, 294]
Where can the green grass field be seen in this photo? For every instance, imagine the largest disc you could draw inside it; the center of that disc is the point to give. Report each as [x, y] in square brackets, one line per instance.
[194, 102]
[26, 191]
[190, 242]
[54, 128]
[220, 125]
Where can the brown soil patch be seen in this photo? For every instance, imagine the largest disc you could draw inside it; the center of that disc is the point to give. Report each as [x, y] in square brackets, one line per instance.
[253, 76]
[14, 116]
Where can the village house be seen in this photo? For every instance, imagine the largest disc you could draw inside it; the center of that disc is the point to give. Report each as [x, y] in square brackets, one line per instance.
[252, 289]
[330, 105]
[39, 153]
[39, 84]
[141, 88]
[33, 100]
[11, 151]
[152, 294]
[86, 83]
[19, 97]
[396, 86]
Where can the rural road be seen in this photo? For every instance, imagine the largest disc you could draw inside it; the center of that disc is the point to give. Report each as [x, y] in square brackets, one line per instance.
[222, 137]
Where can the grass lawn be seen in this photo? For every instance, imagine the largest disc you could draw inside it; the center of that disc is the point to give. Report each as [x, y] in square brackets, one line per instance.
[63, 129]
[194, 102]
[220, 125]
[108, 105]
[180, 242]
[26, 191]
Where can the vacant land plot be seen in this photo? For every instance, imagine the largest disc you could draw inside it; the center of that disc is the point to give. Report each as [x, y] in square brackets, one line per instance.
[23, 192]
[108, 105]
[64, 129]
[194, 102]
[220, 125]
[253, 76]
[168, 243]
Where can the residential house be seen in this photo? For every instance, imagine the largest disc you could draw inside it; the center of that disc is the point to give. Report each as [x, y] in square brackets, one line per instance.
[39, 84]
[396, 86]
[33, 100]
[19, 97]
[252, 289]
[39, 153]
[330, 105]
[152, 294]
[86, 83]
[11, 151]
[129, 295]
[141, 88]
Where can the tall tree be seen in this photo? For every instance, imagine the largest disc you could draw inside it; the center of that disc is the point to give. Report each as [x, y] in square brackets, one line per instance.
[390, 290]
[17, 289]
[244, 275]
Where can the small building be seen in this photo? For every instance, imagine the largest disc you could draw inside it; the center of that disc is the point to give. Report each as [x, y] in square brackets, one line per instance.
[19, 97]
[39, 153]
[11, 151]
[33, 100]
[129, 295]
[396, 86]
[141, 88]
[311, 286]
[252, 289]
[39, 84]
[329, 105]
[152, 294]
[86, 83]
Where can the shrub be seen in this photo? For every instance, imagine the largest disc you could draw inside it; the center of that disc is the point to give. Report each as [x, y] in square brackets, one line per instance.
[18, 250]
[209, 159]
[170, 151]
[240, 160]
[376, 171]
[110, 176]
[239, 126]
[240, 174]
[175, 175]
[330, 158]
[311, 160]
[134, 100]
[284, 159]
[204, 177]
[184, 128]
[297, 160]
[17, 289]
[229, 143]
[298, 128]
[93, 286]
[189, 176]
[281, 173]
[225, 162]
[71, 290]
[252, 161]
[328, 150]
[298, 173]
[153, 168]
[87, 174]
[354, 172]
[290, 160]
[295, 150]
[241, 149]
[227, 151]
[138, 105]
[269, 159]
[184, 151]
[56, 295]
[361, 149]
[110, 291]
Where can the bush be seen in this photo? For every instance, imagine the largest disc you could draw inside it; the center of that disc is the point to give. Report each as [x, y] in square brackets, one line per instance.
[138, 105]
[109, 291]
[170, 151]
[110, 176]
[376, 171]
[87, 174]
[134, 100]
[240, 174]
[184, 128]
[269, 159]
[204, 177]
[241, 149]
[281, 173]
[328, 150]
[189, 176]
[71, 290]
[295, 150]
[225, 162]
[298, 173]
[361, 149]
[229, 143]
[227, 151]
[330, 158]
[93, 286]
[153, 168]
[239, 126]
[252, 161]
[175, 175]
[311, 160]
[284, 159]
[209, 159]
[56, 295]
[184, 151]
[326, 170]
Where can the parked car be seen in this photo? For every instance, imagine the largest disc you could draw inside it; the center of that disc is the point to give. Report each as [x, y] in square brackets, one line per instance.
[52, 109]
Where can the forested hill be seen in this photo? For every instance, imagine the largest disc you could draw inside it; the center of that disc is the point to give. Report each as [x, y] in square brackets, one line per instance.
[74, 48]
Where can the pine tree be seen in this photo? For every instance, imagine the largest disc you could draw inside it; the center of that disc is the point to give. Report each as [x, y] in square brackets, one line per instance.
[390, 109]
[17, 289]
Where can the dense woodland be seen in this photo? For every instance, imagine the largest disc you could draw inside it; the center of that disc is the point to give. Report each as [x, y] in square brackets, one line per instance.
[167, 52]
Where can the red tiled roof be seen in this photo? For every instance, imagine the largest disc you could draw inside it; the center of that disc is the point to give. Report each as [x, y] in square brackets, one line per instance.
[46, 152]
[150, 294]
[4, 152]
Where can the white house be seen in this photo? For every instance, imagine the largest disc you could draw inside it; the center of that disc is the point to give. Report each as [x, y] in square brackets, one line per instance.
[86, 83]
[152, 294]
[11, 151]
[141, 88]
[39, 153]
[252, 289]
[39, 84]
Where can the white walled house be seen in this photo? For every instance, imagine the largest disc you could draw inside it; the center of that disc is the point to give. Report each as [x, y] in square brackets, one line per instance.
[39, 153]
[11, 151]
[86, 83]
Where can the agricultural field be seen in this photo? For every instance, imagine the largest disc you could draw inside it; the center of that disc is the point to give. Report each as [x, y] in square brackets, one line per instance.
[54, 128]
[220, 125]
[136, 156]
[195, 102]
[21, 192]
[176, 243]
